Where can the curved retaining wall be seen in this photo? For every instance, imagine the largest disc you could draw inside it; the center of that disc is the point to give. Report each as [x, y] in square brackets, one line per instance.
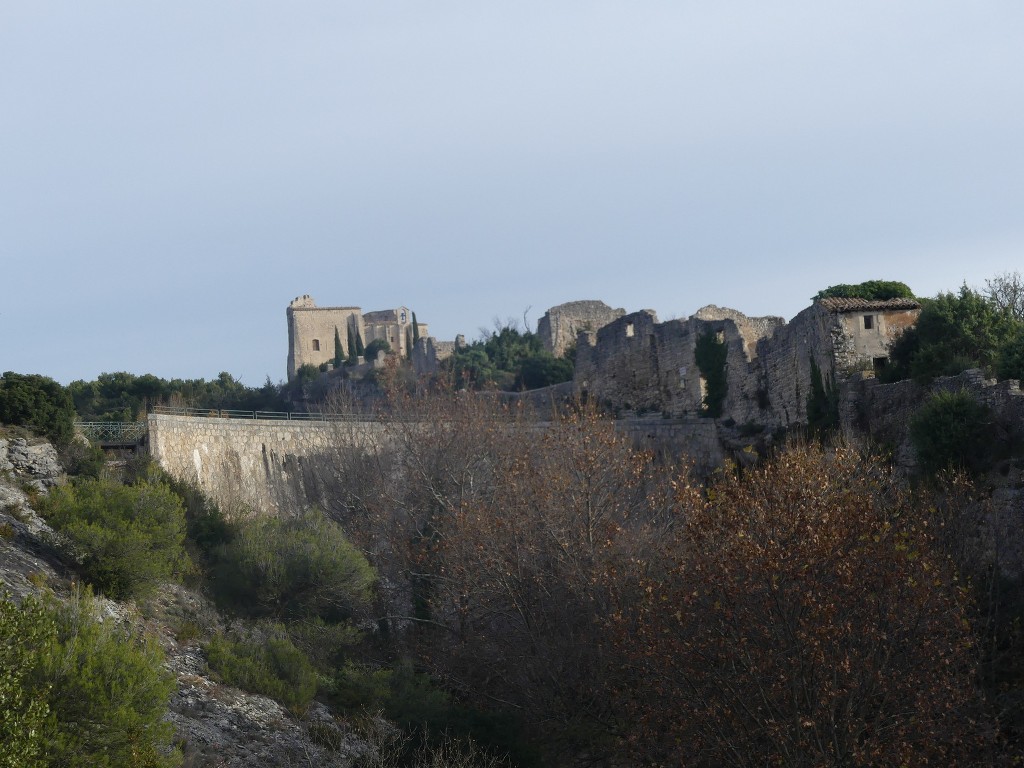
[270, 467]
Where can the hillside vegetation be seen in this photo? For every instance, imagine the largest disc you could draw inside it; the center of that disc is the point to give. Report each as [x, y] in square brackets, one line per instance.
[483, 592]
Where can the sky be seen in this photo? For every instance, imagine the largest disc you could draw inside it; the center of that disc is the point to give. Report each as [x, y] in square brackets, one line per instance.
[173, 174]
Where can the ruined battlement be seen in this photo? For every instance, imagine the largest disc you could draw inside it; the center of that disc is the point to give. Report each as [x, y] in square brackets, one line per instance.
[560, 326]
[639, 365]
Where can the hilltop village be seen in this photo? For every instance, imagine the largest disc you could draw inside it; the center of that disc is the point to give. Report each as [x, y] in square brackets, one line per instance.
[717, 363]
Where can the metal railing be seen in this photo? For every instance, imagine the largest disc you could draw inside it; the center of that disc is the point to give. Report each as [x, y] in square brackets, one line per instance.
[120, 432]
[227, 413]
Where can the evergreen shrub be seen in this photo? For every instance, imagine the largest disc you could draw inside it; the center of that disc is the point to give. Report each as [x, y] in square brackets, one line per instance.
[296, 568]
[273, 667]
[127, 538]
[951, 430]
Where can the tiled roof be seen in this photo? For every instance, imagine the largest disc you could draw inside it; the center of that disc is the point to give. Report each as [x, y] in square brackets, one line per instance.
[863, 305]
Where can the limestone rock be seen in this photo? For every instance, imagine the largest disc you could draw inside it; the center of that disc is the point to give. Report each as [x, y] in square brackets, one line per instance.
[37, 462]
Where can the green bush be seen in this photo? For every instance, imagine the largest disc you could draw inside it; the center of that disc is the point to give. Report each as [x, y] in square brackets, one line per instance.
[951, 430]
[542, 370]
[205, 525]
[295, 568]
[375, 346]
[81, 459]
[108, 693]
[273, 667]
[324, 643]
[507, 359]
[128, 538]
[872, 290]
[23, 707]
[1011, 357]
[422, 709]
[307, 373]
[954, 332]
[38, 402]
[75, 691]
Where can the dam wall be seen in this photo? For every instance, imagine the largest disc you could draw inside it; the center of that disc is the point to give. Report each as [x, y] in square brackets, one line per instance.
[256, 466]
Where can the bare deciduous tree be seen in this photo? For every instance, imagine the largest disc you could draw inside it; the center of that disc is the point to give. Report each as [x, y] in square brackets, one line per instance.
[1006, 291]
[809, 619]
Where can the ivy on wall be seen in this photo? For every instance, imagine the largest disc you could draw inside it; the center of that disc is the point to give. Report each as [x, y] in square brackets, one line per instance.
[710, 354]
[822, 404]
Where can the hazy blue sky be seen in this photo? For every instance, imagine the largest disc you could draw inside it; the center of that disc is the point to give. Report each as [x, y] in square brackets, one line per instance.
[173, 174]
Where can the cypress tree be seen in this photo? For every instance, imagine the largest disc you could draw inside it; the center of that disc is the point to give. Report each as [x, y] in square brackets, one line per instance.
[338, 356]
[360, 349]
[351, 344]
[415, 329]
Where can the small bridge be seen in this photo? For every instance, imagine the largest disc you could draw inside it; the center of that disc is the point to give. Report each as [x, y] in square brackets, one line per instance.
[114, 434]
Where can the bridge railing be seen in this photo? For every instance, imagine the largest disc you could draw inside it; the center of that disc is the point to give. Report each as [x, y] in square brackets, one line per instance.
[227, 413]
[121, 432]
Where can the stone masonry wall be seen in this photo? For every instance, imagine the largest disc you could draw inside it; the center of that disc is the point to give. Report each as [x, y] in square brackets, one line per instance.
[637, 364]
[560, 325]
[270, 467]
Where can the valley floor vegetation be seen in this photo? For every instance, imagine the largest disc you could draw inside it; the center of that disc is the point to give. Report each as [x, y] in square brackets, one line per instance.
[811, 610]
[546, 594]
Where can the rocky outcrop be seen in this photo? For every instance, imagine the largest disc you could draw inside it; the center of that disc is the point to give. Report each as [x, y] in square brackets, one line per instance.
[27, 561]
[219, 725]
[36, 463]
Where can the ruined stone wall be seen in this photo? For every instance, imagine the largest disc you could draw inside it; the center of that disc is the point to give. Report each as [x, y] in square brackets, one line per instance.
[637, 364]
[618, 365]
[886, 409]
[784, 360]
[270, 467]
[560, 325]
[429, 353]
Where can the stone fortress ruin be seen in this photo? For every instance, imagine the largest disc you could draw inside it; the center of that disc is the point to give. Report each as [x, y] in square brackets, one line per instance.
[560, 326]
[311, 334]
[636, 364]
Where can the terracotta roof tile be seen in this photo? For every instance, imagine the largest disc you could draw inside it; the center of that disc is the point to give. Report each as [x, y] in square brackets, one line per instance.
[862, 305]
